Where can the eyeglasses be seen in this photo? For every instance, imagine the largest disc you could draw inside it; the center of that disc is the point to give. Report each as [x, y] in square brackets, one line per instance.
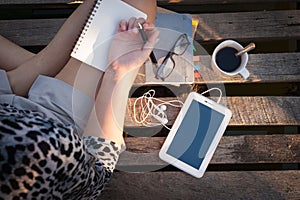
[168, 64]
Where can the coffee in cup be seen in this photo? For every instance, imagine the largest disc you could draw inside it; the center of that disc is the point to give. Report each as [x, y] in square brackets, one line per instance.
[224, 59]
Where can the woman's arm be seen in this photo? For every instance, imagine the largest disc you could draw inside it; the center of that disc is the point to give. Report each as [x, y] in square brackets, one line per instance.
[56, 55]
[77, 73]
[52, 58]
[147, 6]
[12, 55]
[107, 118]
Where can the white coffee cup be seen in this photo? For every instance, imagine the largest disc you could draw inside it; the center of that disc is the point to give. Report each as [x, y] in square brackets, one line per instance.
[244, 59]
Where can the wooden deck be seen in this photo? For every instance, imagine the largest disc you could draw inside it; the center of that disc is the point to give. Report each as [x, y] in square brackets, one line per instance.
[259, 154]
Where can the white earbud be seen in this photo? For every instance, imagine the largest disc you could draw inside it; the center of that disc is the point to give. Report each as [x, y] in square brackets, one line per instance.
[159, 114]
[163, 107]
[150, 110]
[162, 120]
[165, 121]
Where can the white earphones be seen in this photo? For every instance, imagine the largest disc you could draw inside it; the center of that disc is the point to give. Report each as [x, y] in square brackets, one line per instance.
[159, 114]
[163, 107]
[150, 110]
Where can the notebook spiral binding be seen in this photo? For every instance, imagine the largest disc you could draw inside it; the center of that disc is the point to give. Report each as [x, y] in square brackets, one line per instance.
[87, 24]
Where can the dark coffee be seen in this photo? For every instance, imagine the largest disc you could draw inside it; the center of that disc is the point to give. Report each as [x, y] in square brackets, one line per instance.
[226, 59]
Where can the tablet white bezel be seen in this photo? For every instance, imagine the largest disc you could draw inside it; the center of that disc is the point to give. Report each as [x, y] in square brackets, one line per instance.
[178, 163]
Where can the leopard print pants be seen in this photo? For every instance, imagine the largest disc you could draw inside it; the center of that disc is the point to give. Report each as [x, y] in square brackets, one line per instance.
[41, 158]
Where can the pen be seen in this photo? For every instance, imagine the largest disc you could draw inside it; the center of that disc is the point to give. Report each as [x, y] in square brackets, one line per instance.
[144, 37]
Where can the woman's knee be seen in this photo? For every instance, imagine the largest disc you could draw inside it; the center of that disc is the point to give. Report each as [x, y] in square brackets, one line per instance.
[146, 6]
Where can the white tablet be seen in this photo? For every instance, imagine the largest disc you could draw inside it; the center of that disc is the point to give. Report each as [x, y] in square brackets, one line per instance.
[195, 134]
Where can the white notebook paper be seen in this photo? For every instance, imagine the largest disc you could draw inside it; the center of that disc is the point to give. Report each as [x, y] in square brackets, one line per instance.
[93, 44]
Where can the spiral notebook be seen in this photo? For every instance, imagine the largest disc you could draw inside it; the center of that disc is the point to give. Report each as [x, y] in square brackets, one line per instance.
[93, 45]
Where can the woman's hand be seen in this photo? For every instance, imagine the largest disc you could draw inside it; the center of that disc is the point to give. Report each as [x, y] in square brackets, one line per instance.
[128, 50]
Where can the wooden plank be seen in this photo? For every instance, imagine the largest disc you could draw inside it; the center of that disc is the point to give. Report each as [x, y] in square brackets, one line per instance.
[247, 111]
[197, 2]
[269, 111]
[268, 25]
[142, 153]
[219, 7]
[258, 185]
[30, 32]
[248, 26]
[160, 2]
[27, 2]
[263, 68]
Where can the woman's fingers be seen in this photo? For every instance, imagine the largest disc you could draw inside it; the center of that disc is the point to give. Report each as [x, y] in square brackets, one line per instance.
[148, 26]
[152, 40]
[122, 25]
[128, 50]
[139, 21]
[131, 23]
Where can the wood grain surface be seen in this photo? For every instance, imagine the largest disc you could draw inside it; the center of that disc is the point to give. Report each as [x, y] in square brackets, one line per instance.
[212, 27]
[247, 111]
[246, 149]
[160, 2]
[256, 185]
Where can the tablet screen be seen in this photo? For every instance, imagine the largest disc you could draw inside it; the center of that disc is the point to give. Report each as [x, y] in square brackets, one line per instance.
[195, 134]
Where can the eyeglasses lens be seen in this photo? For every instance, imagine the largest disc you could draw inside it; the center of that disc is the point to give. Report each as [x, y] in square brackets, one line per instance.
[168, 63]
[166, 68]
[181, 45]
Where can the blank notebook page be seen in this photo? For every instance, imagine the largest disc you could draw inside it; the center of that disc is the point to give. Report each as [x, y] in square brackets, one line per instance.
[93, 45]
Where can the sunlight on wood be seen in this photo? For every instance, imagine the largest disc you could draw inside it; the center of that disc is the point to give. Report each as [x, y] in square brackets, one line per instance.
[206, 32]
[75, 2]
[175, 1]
